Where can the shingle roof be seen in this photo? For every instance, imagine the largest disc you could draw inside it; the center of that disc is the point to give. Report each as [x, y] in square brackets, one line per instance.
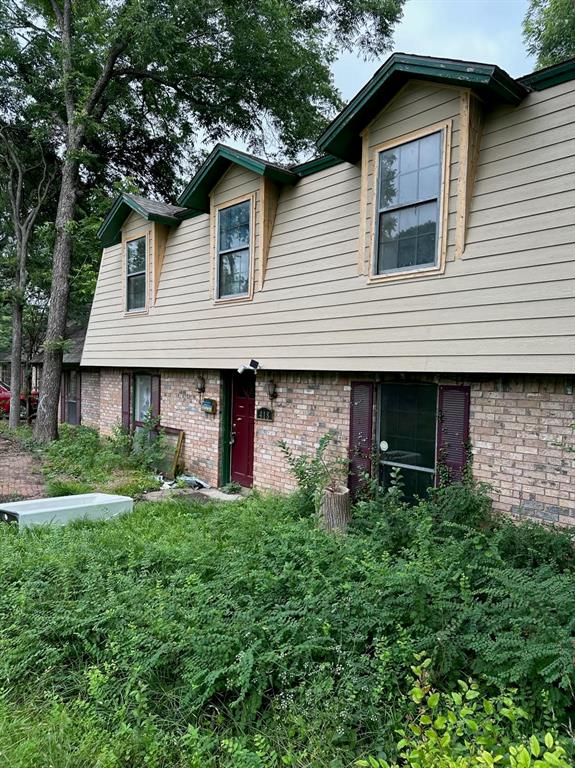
[155, 207]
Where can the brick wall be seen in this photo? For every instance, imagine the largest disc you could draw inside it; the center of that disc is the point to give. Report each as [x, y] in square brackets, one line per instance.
[180, 408]
[90, 401]
[520, 431]
[307, 406]
[110, 399]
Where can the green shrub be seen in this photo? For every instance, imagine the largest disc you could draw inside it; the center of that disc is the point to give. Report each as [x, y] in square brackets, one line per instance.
[238, 634]
[464, 729]
[82, 461]
[315, 473]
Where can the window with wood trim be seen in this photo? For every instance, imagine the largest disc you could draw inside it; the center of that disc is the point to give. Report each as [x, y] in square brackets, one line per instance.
[408, 208]
[233, 250]
[140, 398]
[136, 271]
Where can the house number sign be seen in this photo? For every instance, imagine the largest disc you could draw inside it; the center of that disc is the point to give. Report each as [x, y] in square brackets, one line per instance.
[264, 414]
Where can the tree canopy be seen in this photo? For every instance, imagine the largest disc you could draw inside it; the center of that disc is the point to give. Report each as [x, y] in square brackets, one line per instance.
[134, 88]
[549, 31]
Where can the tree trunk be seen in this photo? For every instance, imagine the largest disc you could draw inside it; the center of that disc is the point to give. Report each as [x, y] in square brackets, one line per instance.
[334, 509]
[15, 365]
[17, 314]
[47, 418]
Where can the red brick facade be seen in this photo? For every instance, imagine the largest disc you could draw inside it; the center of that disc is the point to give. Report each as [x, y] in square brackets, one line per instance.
[307, 406]
[521, 430]
[90, 398]
[523, 438]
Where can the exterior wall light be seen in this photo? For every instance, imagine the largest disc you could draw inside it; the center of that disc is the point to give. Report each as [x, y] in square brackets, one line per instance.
[200, 384]
[271, 389]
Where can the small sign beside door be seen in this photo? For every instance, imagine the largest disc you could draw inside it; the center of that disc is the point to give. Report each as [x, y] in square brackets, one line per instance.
[209, 405]
[264, 414]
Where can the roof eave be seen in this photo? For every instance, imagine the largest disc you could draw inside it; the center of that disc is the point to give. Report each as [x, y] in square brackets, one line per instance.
[341, 138]
[110, 231]
[197, 193]
[550, 76]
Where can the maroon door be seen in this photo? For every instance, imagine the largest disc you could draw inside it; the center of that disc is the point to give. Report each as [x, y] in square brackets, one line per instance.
[243, 411]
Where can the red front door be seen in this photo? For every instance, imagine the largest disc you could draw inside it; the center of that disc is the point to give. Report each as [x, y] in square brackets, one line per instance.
[243, 412]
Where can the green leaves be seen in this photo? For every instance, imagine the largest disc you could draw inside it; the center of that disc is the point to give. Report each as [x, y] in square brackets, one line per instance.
[549, 31]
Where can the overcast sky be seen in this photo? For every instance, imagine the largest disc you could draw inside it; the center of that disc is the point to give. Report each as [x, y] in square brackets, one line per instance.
[488, 31]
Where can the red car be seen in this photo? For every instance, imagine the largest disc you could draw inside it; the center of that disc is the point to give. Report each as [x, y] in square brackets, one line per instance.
[5, 401]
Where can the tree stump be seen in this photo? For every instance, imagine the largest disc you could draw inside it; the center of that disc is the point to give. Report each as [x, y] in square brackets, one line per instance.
[334, 509]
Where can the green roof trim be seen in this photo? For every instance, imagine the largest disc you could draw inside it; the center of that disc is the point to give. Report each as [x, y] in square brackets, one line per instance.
[317, 164]
[197, 194]
[342, 136]
[550, 76]
[110, 232]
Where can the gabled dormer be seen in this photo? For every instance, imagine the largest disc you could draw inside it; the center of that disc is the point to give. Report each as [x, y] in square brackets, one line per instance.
[416, 128]
[240, 192]
[140, 226]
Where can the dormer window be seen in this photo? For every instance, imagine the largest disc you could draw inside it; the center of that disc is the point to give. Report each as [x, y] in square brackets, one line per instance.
[136, 267]
[409, 205]
[234, 224]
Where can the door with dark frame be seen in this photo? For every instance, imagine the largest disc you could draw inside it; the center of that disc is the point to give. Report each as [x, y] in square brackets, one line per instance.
[242, 433]
[70, 397]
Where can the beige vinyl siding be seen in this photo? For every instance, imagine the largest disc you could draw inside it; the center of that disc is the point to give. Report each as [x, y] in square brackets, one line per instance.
[506, 306]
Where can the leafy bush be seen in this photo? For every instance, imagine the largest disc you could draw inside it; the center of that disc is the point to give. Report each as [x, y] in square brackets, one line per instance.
[240, 635]
[82, 461]
[315, 473]
[464, 729]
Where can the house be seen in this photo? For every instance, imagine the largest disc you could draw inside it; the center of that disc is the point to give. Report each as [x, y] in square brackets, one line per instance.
[70, 388]
[411, 289]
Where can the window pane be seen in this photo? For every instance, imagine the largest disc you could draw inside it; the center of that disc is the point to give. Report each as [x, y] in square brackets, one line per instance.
[408, 155]
[137, 292]
[406, 256]
[408, 188]
[387, 256]
[429, 150]
[234, 223]
[142, 396]
[234, 273]
[136, 255]
[428, 182]
[388, 178]
[415, 483]
[72, 415]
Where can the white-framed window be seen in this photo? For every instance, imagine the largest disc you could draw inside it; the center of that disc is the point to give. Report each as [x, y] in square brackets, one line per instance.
[408, 205]
[136, 271]
[233, 250]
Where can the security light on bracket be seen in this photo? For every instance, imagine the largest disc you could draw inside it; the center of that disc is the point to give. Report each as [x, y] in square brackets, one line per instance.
[253, 366]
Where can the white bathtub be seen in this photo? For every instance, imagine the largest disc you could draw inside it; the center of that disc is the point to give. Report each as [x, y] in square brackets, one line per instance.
[60, 510]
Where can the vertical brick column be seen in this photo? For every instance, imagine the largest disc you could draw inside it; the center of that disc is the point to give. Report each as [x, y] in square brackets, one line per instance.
[90, 398]
[180, 408]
